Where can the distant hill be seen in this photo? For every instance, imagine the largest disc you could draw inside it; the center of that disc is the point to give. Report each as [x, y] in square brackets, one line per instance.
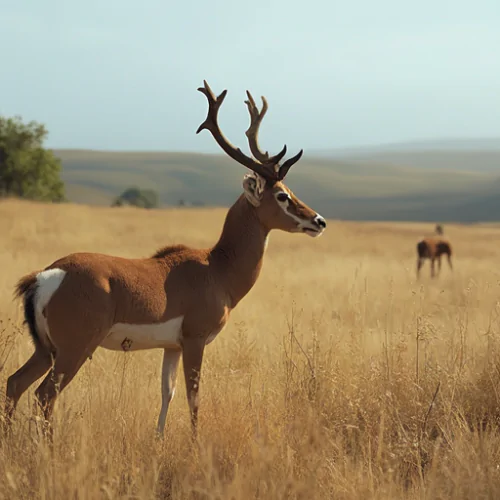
[338, 187]
[475, 155]
[481, 144]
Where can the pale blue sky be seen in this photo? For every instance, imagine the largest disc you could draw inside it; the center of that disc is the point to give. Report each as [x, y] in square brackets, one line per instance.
[112, 74]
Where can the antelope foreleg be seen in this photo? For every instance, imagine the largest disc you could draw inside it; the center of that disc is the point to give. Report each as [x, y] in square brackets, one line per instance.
[171, 360]
[192, 357]
[433, 263]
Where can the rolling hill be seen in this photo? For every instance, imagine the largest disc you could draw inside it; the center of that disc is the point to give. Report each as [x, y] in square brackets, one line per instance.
[474, 155]
[349, 186]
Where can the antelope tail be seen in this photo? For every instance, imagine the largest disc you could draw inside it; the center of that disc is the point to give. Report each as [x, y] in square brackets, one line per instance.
[26, 289]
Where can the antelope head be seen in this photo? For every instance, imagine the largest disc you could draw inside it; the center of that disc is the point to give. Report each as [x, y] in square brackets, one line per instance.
[276, 206]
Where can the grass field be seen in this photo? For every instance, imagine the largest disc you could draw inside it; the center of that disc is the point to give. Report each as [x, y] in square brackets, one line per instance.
[338, 376]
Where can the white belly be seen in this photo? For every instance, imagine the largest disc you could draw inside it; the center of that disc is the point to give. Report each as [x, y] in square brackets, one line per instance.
[129, 337]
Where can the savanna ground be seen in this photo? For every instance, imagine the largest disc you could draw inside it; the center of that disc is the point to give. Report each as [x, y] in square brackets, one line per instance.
[339, 376]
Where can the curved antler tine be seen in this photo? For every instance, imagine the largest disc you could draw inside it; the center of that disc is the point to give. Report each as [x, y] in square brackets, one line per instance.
[252, 133]
[253, 111]
[277, 158]
[251, 103]
[207, 90]
[288, 164]
[211, 124]
[213, 108]
[265, 106]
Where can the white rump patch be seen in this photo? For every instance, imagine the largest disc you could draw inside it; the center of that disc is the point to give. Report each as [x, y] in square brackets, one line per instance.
[48, 282]
[130, 337]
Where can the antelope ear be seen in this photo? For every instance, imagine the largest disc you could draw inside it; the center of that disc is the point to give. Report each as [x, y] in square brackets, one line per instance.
[253, 188]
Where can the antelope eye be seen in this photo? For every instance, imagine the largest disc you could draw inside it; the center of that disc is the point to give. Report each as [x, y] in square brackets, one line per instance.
[282, 197]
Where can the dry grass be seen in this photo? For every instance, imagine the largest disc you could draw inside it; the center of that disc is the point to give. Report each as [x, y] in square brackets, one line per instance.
[320, 387]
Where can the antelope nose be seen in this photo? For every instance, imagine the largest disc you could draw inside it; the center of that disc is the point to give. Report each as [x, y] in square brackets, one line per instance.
[320, 221]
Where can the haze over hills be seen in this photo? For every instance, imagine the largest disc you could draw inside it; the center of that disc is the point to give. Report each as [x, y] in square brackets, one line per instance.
[465, 144]
[475, 155]
[429, 180]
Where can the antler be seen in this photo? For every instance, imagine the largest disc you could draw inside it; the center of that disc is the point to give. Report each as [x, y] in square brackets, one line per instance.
[268, 168]
[252, 133]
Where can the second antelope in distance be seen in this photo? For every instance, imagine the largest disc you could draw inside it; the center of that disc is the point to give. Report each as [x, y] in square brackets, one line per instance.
[177, 300]
[433, 248]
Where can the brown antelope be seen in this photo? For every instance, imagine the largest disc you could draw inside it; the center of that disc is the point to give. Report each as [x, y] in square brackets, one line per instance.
[177, 300]
[433, 248]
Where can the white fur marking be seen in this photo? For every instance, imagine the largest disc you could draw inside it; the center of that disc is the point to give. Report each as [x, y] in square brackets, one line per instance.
[48, 282]
[266, 242]
[255, 196]
[261, 184]
[168, 381]
[301, 223]
[150, 336]
[284, 206]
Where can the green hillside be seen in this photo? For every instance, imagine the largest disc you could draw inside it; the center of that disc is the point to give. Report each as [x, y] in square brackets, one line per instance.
[337, 188]
[472, 161]
[474, 155]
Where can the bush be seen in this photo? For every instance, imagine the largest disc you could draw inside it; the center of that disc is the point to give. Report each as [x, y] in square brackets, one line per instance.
[27, 169]
[143, 198]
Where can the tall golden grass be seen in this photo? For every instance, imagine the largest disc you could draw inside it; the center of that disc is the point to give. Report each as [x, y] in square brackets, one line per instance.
[339, 376]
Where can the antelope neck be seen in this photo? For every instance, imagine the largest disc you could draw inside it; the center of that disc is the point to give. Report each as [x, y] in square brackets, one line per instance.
[237, 256]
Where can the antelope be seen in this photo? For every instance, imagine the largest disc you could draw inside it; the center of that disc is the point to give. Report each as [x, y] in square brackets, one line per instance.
[177, 300]
[433, 248]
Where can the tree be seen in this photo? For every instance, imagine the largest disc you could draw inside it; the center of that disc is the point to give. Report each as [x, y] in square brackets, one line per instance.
[143, 198]
[27, 169]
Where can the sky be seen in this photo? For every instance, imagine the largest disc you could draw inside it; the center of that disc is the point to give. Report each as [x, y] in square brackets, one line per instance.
[122, 75]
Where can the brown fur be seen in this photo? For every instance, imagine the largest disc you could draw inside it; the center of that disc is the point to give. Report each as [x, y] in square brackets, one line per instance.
[198, 286]
[433, 248]
[168, 250]
[202, 285]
